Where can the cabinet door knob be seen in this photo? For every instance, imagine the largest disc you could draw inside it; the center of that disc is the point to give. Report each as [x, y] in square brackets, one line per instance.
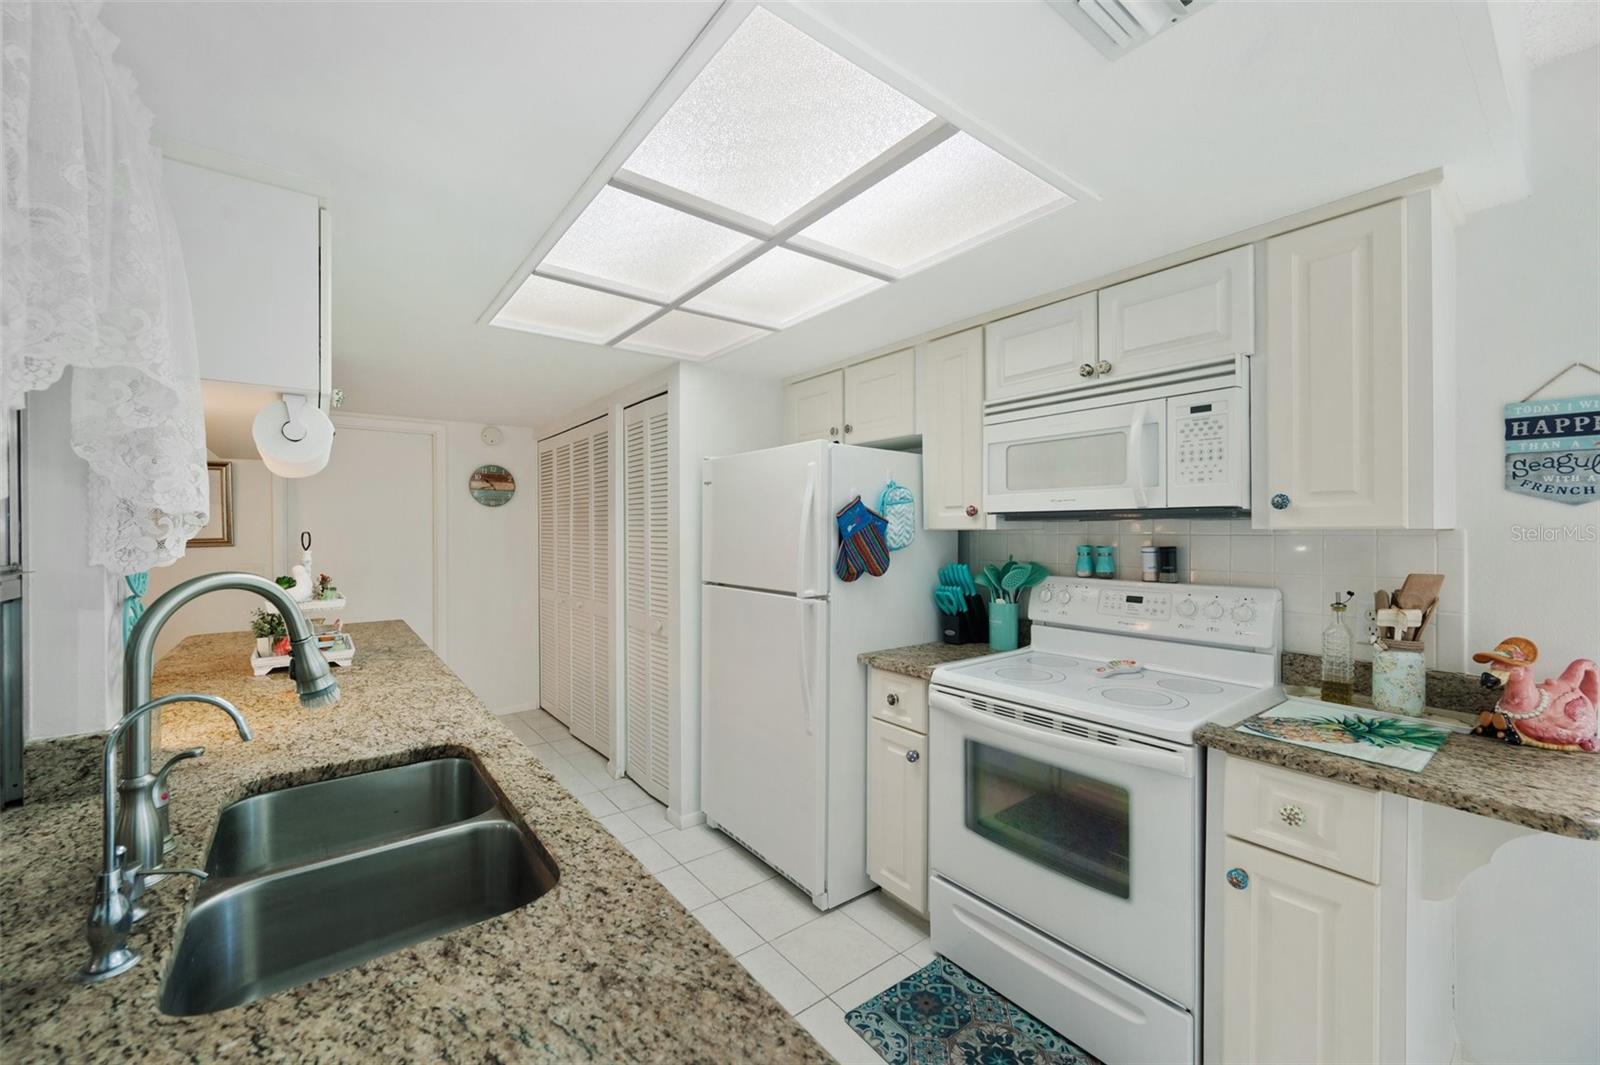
[833, 430]
[972, 511]
[1292, 815]
[848, 428]
[1102, 367]
[912, 756]
[892, 699]
[1238, 878]
[1280, 501]
[1086, 370]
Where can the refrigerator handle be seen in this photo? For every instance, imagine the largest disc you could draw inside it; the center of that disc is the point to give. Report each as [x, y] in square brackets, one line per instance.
[807, 666]
[807, 503]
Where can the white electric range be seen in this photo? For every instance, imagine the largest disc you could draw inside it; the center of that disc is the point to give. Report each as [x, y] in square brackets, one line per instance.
[1066, 803]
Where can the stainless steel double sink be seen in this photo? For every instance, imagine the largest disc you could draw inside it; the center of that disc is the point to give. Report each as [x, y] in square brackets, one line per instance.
[321, 877]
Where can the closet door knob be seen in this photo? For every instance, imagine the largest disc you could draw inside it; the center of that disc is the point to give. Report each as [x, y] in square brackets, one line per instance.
[972, 511]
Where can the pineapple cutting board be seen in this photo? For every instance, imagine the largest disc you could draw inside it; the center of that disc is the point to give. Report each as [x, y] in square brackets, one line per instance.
[1354, 732]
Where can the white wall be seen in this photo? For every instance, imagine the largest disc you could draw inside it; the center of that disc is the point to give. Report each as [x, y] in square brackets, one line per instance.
[251, 553]
[492, 604]
[714, 413]
[72, 622]
[1529, 303]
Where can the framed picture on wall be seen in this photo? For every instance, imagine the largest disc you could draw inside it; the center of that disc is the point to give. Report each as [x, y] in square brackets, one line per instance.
[218, 532]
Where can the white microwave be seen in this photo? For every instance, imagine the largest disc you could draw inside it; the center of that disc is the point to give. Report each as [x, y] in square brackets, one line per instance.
[1185, 452]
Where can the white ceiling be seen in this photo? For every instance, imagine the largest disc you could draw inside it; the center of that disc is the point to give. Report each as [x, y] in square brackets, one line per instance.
[451, 136]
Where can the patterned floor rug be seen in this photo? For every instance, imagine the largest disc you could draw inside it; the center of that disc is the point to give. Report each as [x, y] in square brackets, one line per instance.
[943, 1015]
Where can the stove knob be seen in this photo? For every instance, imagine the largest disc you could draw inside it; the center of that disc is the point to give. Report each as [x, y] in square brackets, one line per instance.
[1213, 610]
[1045, 595]
[1243, 613]
[1187, 608]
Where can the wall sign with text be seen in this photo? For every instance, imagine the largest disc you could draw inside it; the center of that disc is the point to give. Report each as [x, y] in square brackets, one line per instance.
[1553, 448]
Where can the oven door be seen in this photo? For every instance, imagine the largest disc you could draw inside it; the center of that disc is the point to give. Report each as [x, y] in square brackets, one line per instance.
[1087, 833]
[1105, 458]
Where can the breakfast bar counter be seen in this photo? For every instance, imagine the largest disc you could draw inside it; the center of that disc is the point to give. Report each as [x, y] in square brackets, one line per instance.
[605, 967]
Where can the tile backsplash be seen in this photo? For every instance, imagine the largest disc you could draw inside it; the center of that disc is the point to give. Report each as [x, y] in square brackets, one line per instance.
[1308, 567]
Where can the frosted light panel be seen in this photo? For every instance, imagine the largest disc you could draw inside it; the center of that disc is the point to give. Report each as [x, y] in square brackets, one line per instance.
[555, 307]
[772, 122]
[690, 336]
[634, 242]
[782, 287]
[954, 194]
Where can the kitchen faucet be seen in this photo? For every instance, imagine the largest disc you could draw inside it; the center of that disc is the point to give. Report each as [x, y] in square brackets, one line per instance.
[142, 832]
[115, 888]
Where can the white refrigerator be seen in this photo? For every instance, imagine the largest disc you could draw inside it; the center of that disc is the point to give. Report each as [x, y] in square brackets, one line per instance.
[783, 700]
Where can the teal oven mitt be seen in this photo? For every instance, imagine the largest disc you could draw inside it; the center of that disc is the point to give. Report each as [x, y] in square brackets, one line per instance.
[863, 546]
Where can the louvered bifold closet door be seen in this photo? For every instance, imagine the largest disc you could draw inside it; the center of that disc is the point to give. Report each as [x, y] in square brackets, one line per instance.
[580, 648]
[647, 596]
[560, 670]
[600, 590]
[549, 653]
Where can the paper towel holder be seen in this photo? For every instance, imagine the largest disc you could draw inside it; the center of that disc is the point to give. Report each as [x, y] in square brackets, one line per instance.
[294, 438]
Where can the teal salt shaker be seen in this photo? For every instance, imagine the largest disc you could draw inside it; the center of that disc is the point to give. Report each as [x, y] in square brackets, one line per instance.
[1085, 566]
[1105, 562]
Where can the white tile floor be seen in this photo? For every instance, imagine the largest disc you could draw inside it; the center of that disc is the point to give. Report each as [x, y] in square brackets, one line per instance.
[816, 965]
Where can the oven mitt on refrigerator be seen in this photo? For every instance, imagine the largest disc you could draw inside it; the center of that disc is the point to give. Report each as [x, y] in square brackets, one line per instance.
[899, 509]
[862, 547]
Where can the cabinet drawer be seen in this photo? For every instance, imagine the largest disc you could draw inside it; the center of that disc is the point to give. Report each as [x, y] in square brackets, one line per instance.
[1332, 825]
[898, 699]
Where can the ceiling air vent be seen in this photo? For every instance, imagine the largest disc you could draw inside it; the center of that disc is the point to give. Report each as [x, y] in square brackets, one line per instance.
[1117, 26]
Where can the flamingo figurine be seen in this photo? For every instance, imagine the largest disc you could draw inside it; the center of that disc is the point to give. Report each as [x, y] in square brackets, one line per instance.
[1562, 713]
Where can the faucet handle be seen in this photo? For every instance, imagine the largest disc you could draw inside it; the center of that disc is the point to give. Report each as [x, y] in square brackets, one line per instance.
[158, 789]
[198, 874]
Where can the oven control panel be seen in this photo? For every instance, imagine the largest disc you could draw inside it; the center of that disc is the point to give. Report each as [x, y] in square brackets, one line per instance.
[1202, 613]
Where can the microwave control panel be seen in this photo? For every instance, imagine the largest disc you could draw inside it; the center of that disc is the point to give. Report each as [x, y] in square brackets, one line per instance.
[1202, 440]
[1200, 613]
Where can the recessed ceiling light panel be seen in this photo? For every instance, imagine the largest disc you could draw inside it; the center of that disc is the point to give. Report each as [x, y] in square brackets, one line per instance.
[690, 336]
[956, 193]
[780, 288]
[772, 122]
[543, 305]
[643, 245]
[777, 181]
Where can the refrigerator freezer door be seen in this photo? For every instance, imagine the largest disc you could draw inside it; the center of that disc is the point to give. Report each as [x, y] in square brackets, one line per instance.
[766, 520]
[764, 723]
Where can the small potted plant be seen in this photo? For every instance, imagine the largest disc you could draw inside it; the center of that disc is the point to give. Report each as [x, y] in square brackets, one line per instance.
[269, 628]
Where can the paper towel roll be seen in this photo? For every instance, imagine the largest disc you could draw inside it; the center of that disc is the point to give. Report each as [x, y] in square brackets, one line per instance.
[294, 438]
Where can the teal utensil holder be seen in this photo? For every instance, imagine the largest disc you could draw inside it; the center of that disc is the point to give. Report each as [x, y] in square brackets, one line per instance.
[1003, 626]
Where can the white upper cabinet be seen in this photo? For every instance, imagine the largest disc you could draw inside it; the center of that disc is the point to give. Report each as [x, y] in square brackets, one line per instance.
[1357, 432]
[1049, 349]
[255, 255]
[814, 408]
[880, 399]
[870, 402]
[1190, 313]
[950, 412]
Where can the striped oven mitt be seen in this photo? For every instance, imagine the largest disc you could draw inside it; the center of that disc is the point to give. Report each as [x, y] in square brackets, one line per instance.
[863, 547]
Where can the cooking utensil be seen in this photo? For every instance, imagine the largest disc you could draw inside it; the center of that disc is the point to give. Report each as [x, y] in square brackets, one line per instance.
[1013, 581]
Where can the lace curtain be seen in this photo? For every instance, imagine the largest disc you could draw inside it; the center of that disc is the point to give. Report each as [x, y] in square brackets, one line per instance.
[93, 279]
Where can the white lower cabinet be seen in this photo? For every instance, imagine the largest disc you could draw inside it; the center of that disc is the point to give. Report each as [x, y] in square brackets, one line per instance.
[897, 808]
[1300, 962]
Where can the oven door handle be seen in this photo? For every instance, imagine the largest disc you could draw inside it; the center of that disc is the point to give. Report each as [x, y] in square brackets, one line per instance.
[1176, 763]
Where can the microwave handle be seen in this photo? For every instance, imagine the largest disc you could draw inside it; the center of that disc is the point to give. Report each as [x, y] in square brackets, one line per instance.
[1177, 763]
[1136, 457]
